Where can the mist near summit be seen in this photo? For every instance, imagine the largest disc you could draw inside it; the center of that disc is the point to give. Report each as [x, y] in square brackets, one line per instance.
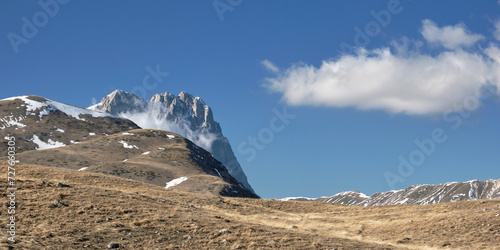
[150, 118]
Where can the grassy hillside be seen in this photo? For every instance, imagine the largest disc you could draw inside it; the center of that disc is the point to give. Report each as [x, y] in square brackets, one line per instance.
[151, 156]
[99, 209]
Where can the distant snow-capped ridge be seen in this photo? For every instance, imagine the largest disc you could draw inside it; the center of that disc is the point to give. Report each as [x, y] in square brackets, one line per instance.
[417, 194]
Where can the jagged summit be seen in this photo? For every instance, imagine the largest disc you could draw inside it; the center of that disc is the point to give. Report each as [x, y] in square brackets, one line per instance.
[184, 114]
[117, 102]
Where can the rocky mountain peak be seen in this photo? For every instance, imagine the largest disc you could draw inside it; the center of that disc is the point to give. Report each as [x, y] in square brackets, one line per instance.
[119, 101]
[184, 114]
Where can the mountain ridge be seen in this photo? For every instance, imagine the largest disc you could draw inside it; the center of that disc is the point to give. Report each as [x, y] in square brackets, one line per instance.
[184, 114]
[417, 194]
[49, 133]
[38, 122]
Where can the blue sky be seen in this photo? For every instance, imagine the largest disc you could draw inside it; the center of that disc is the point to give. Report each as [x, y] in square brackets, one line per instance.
[416, 71]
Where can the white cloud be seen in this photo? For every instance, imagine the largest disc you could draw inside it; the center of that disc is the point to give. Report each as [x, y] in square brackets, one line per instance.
[397, 79]
[450, 37]
[270, 66]
[496, 33]
[150, 119]
[411, 82]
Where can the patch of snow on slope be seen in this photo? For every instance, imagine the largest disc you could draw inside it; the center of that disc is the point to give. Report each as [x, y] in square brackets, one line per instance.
[4, 123]
[125, 145]
[46, 145]
[44, 112]
[363, 195]
[218, 172]
[81, 169]
[65, 108]
[30, 104]
[171, 136]
[76, 111]
[60, 130]
[91, 134]
[403, 201]
[175, 182]
[127, 133]
[146, 153]
[472, 191]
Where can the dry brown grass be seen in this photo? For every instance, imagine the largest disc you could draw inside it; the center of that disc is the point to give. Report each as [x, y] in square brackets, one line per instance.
[106, 155]
[102, 209]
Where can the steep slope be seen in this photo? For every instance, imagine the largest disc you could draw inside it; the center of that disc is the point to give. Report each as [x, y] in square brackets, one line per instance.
[40, 123]
[184, 114]
[152, 156]
[419, 194]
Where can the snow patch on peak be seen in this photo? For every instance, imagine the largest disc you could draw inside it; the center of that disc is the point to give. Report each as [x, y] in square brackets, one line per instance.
[69, 110]
[198, 99]
[363, 195]
[297, 198]
[75, 112]
[94, 107]
[116, 92]
[356, 193]
[30, 104]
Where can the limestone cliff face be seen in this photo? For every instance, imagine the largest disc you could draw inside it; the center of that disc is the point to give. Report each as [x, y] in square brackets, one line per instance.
[184, 114]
